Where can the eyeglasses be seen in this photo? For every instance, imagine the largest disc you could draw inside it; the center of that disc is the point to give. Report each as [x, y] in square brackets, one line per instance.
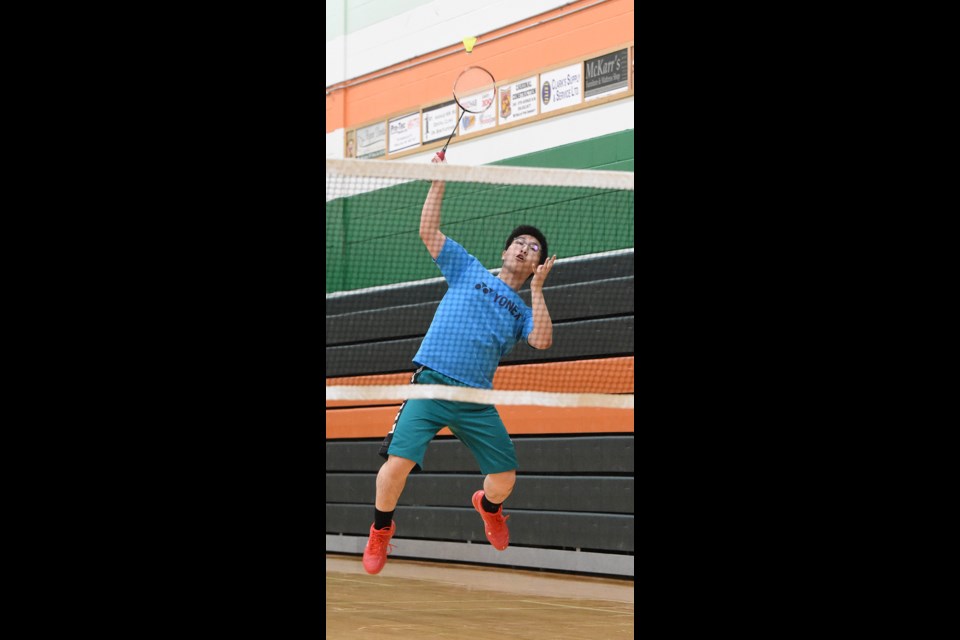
[523, 243]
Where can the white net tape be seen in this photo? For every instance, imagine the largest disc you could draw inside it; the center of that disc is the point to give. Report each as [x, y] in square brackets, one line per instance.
[479, 396]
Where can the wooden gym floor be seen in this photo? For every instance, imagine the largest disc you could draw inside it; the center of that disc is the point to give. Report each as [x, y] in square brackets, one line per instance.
[424, 601]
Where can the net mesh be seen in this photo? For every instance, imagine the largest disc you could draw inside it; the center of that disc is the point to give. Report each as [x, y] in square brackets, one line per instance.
[383, 289]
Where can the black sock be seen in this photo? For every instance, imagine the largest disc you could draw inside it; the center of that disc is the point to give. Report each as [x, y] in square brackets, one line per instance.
[488, 506]
[382, 519]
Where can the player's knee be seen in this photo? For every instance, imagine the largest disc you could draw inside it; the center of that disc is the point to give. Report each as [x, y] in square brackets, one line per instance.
[503, 482]
[397, 467]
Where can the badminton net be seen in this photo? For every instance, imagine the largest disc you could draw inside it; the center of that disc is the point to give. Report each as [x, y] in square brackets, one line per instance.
[383, 288]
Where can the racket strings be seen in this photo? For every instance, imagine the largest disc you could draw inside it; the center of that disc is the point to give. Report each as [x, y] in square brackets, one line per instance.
[473, 81]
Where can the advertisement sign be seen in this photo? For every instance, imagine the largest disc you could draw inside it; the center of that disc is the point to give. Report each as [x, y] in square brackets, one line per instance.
[372, 141]
[405, 132]
[470, 122]
[350, 148]
[605, 75]
[439, 121]
[518, 100]
[560, 88]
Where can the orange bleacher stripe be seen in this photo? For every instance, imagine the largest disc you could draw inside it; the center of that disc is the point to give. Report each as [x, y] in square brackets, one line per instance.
[375, 422]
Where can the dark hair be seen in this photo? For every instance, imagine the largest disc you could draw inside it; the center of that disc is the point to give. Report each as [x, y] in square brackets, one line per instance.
[527, 230]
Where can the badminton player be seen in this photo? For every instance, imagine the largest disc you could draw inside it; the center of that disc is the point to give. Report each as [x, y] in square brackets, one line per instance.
[479, 320]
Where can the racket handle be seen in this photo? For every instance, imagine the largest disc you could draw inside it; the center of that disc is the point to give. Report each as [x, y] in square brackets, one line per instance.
[441, 154]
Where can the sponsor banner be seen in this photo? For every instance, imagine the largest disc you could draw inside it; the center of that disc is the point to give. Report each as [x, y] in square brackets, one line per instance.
[372, 141]
[518, 100]
[560, 88]
[470, 122]
[605, 75]
[439, 121]
[350, 145]
[405, 132]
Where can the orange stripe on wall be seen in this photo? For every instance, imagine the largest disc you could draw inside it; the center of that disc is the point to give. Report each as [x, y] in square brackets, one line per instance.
[603, 375]
[580, 34]
[375, 422]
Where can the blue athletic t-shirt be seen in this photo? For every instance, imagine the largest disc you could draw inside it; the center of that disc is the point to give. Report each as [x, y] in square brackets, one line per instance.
[478, 321]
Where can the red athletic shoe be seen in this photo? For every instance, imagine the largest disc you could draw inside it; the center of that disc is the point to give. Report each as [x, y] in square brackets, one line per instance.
[494, 524]
[375, 555]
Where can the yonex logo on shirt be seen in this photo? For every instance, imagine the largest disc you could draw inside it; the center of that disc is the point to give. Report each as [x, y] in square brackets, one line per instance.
[500, 300]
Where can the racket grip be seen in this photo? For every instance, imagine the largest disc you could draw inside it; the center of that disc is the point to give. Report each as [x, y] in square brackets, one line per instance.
[441, 154]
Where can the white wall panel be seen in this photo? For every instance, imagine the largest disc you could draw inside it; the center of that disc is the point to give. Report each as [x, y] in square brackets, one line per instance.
[422, 30]
[335, 142]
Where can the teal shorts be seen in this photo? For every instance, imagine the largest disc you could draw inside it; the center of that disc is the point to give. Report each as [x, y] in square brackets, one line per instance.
[478, 426]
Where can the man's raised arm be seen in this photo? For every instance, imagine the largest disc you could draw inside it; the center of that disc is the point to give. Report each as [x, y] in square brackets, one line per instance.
[430, 218]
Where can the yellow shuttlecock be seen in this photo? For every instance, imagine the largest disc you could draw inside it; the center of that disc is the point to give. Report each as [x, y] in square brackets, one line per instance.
[468, 43]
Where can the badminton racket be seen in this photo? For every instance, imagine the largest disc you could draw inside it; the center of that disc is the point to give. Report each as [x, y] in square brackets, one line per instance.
[471, 81]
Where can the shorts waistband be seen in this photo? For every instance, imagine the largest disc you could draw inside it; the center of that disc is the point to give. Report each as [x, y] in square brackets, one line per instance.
[426, 375]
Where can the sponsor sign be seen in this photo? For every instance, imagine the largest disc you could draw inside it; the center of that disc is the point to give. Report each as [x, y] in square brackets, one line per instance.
[470, 122]
[404, 132]
[518, 100]
[605, 75]
[372, 141]
[561, 88]
[439, 121]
